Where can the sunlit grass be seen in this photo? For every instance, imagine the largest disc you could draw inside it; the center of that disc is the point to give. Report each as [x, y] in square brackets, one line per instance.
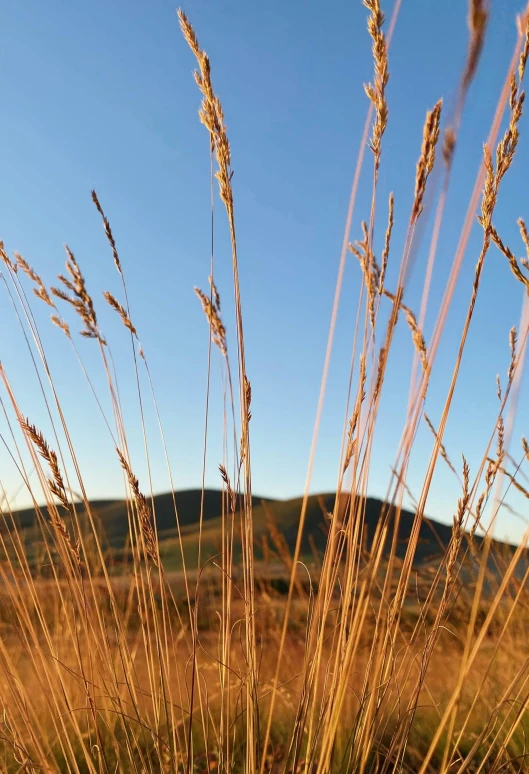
[330, 634]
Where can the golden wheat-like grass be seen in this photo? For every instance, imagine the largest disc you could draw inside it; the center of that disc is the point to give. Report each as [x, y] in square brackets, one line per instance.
[232, 497]
[376, 657]
[79, 299]
[108, 232]
[427, 158]
[416, 334]
[117, 307]
[376, 91]
[40, 291]
[144, 512]
[56, 486]
[212, 312]
[513, 263]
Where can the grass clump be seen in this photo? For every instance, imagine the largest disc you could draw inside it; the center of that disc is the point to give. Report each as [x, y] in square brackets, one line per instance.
[215, 632]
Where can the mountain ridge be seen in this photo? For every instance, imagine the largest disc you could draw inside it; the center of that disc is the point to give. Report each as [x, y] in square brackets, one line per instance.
[112, 520]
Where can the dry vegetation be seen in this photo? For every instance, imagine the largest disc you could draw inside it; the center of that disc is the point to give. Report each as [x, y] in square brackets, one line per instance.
[363, 663]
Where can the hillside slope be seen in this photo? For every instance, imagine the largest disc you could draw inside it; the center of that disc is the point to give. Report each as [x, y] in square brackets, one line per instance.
[111, 517]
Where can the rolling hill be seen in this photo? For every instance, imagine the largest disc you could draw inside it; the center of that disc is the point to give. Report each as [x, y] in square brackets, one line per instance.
[111, 516]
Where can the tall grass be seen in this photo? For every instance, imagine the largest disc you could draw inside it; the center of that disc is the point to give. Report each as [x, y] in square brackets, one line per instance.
[369, 662]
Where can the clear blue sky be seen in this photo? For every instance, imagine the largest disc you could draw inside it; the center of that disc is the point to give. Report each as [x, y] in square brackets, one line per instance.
[101, 95]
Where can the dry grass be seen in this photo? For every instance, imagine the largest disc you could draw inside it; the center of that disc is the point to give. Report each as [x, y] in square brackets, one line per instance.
[368, 661]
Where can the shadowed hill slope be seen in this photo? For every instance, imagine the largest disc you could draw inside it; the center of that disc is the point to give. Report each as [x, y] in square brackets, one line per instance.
[434, 536]
[111, 517]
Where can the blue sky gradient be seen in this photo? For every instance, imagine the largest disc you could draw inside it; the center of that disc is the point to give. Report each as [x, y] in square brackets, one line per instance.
[101, 95]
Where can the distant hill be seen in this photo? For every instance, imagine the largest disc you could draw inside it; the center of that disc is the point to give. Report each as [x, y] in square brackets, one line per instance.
[113, 513]
[112, 520]
[111, 516]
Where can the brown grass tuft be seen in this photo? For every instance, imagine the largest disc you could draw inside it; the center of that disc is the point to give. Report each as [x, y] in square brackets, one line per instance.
[212, 312]
[56, 486]
[427, 158]
[376, 91]
[40, 291]
[416, 333]
[80, 299]
[513, 263]
[144, 512]
[108, 232]
[231, 495]
[387, 244]
[353, 422]
[121, 311]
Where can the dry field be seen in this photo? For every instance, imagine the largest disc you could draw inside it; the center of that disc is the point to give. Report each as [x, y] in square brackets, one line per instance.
[231, 643]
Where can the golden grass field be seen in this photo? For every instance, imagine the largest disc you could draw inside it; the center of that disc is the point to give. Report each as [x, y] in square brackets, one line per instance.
[226, 642]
